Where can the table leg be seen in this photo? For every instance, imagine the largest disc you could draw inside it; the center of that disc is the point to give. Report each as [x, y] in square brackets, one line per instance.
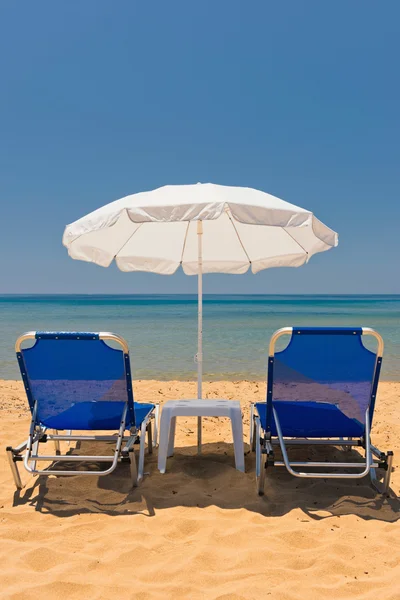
[164, 438]
[237, 434]
[171, 440]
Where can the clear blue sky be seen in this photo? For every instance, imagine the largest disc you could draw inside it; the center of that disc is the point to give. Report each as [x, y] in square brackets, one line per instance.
[101, 99]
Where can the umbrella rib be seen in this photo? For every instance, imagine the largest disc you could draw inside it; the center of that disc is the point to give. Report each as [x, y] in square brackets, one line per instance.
[123, 245]
[238, 236]
[128, 240]
[76, 239]
[244, 250]
[294, 239]
[184, 242]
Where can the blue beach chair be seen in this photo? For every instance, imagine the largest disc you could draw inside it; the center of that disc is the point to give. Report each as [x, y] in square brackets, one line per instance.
[78, 382]
[321, 390]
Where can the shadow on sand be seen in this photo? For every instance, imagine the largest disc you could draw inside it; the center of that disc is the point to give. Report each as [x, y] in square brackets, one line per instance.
[209, 479]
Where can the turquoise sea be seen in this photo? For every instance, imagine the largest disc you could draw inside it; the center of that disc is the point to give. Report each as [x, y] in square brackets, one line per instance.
[162, 329]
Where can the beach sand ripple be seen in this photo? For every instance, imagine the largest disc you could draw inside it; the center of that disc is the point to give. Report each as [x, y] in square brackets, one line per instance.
[200, 531]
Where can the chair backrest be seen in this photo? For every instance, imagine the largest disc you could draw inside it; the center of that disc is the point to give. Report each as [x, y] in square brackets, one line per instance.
[329, 365]
[64, 369]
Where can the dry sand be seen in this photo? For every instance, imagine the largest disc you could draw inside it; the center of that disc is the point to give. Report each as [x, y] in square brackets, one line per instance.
[200, 531]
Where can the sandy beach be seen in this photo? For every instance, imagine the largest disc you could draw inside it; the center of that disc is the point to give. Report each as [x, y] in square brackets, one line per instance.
[200, 531]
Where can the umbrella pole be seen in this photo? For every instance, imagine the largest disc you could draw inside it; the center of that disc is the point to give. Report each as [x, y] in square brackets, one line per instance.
[200, 328]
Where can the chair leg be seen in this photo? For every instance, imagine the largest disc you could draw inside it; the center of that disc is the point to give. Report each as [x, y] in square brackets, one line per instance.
[261, 477]
[374, 479]
[257, 436]
[254, 435]
[141, 450]
[149, 439]
[252, 427]
[384, 487]
[260, 457]
[35, 448]
[156, 425]
[133, 468]
[14, 469]
[348, 448]
[386, 481]
[57, 443]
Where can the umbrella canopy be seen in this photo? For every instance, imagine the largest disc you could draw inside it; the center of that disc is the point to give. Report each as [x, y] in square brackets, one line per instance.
[156, 231]
[205, 228]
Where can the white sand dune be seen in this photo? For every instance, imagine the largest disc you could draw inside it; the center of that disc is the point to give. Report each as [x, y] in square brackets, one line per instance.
[200, 531]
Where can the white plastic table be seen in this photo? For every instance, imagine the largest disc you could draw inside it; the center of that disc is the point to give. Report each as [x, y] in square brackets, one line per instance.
[199, 408]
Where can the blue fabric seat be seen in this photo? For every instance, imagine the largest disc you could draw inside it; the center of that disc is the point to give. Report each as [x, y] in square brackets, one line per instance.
[321, 384]
[310, 419]
[321, 390]
[103, 415]
[78, 382]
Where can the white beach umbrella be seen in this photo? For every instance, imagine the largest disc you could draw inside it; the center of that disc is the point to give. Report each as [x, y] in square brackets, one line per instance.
[204, 228]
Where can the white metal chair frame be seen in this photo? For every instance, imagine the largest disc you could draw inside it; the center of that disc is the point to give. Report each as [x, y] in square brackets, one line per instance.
[124, 444]
[263, 443]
